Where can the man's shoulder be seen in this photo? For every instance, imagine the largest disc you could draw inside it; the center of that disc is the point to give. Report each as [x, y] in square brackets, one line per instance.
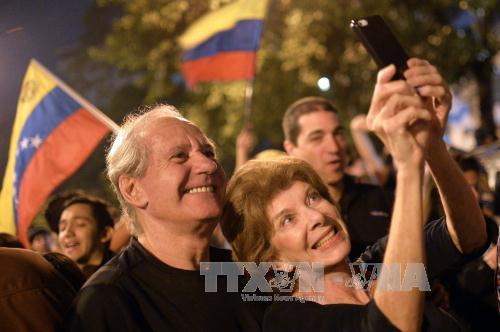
[355, 186]
[362, 203]
[364, 187]
[107, 285]
[361, 189]
[114, 270]
[100, 301]
[121, 267]
[107, 274]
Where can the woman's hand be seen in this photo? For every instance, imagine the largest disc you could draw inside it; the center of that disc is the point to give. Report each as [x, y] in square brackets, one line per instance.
[399, 118]
[358, 123]
[426, 79]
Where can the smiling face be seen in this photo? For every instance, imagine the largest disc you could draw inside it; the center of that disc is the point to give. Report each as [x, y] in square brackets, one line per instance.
[321, 142]
[307, 228]
[184, 182]
[78, 235]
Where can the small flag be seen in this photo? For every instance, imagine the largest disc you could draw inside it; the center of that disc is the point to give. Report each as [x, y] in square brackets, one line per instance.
[222, 45]
[55, 131]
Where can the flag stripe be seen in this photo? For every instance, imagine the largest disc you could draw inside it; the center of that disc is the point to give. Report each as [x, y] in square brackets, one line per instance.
[47, 115]
[35, 166]
[222, 66]
[80, 130]
[35, 87]
[244, 37]
[222, 19]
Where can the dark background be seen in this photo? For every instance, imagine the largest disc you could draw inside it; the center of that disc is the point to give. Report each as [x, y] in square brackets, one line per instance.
[32, 29]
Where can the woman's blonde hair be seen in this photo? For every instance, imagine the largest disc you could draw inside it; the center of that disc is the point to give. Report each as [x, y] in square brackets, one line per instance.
[244, 222]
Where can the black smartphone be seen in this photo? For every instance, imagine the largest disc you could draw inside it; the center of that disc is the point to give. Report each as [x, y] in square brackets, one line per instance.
[381, 43]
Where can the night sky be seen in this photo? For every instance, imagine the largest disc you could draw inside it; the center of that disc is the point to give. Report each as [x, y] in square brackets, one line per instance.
[40, 29]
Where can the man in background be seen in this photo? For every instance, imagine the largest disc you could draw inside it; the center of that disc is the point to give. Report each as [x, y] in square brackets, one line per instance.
[40, 239]
[84, 226]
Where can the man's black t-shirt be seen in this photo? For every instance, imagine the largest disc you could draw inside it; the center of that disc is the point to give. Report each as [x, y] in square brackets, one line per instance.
[366, 211]
[137, 292]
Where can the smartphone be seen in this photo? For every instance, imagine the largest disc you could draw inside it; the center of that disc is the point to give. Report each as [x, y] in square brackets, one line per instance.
[381, 43]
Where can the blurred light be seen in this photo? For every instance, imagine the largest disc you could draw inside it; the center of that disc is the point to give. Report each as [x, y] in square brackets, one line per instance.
[461, 33]
[482, 55]
[14, 30]
[177, 78]
[446, 29]
[480, 12]
[324, 84]
[463, 19]
[434, 40]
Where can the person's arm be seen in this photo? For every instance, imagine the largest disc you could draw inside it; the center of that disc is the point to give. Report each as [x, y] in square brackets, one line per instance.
[464, 219]
[405, 246]
[463, 215]
[429, 200]
[401, 122]
[244, 146]
[373, 163]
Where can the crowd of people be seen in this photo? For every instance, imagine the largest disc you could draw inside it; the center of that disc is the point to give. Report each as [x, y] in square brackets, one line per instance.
[152, 265]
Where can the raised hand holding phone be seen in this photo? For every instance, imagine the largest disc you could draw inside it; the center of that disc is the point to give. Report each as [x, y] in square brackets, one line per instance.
[422, 76]
[381, 44]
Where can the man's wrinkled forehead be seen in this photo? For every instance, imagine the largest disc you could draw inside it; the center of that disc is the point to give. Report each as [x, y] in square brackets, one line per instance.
[169, 128]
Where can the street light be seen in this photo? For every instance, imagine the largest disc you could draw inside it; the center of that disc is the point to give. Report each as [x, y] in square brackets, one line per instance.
[324, 84]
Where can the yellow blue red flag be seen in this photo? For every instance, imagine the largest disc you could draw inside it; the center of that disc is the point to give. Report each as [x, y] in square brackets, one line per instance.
[222, 45]
[55, 130]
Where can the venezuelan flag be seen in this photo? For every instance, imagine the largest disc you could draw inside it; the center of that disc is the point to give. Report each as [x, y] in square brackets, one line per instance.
[54, 132]
[222, 45]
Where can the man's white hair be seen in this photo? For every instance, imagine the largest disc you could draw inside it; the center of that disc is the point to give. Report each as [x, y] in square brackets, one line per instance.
[128, 155]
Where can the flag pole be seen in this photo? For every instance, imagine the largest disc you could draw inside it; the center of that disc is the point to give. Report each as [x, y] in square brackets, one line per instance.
[85, 103]
[250, 85]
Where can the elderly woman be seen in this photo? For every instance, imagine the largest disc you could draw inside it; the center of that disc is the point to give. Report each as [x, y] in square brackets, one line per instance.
[280, 211]
[291, 218]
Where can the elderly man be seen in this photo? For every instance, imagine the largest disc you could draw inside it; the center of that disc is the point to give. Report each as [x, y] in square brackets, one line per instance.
[169, 182]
